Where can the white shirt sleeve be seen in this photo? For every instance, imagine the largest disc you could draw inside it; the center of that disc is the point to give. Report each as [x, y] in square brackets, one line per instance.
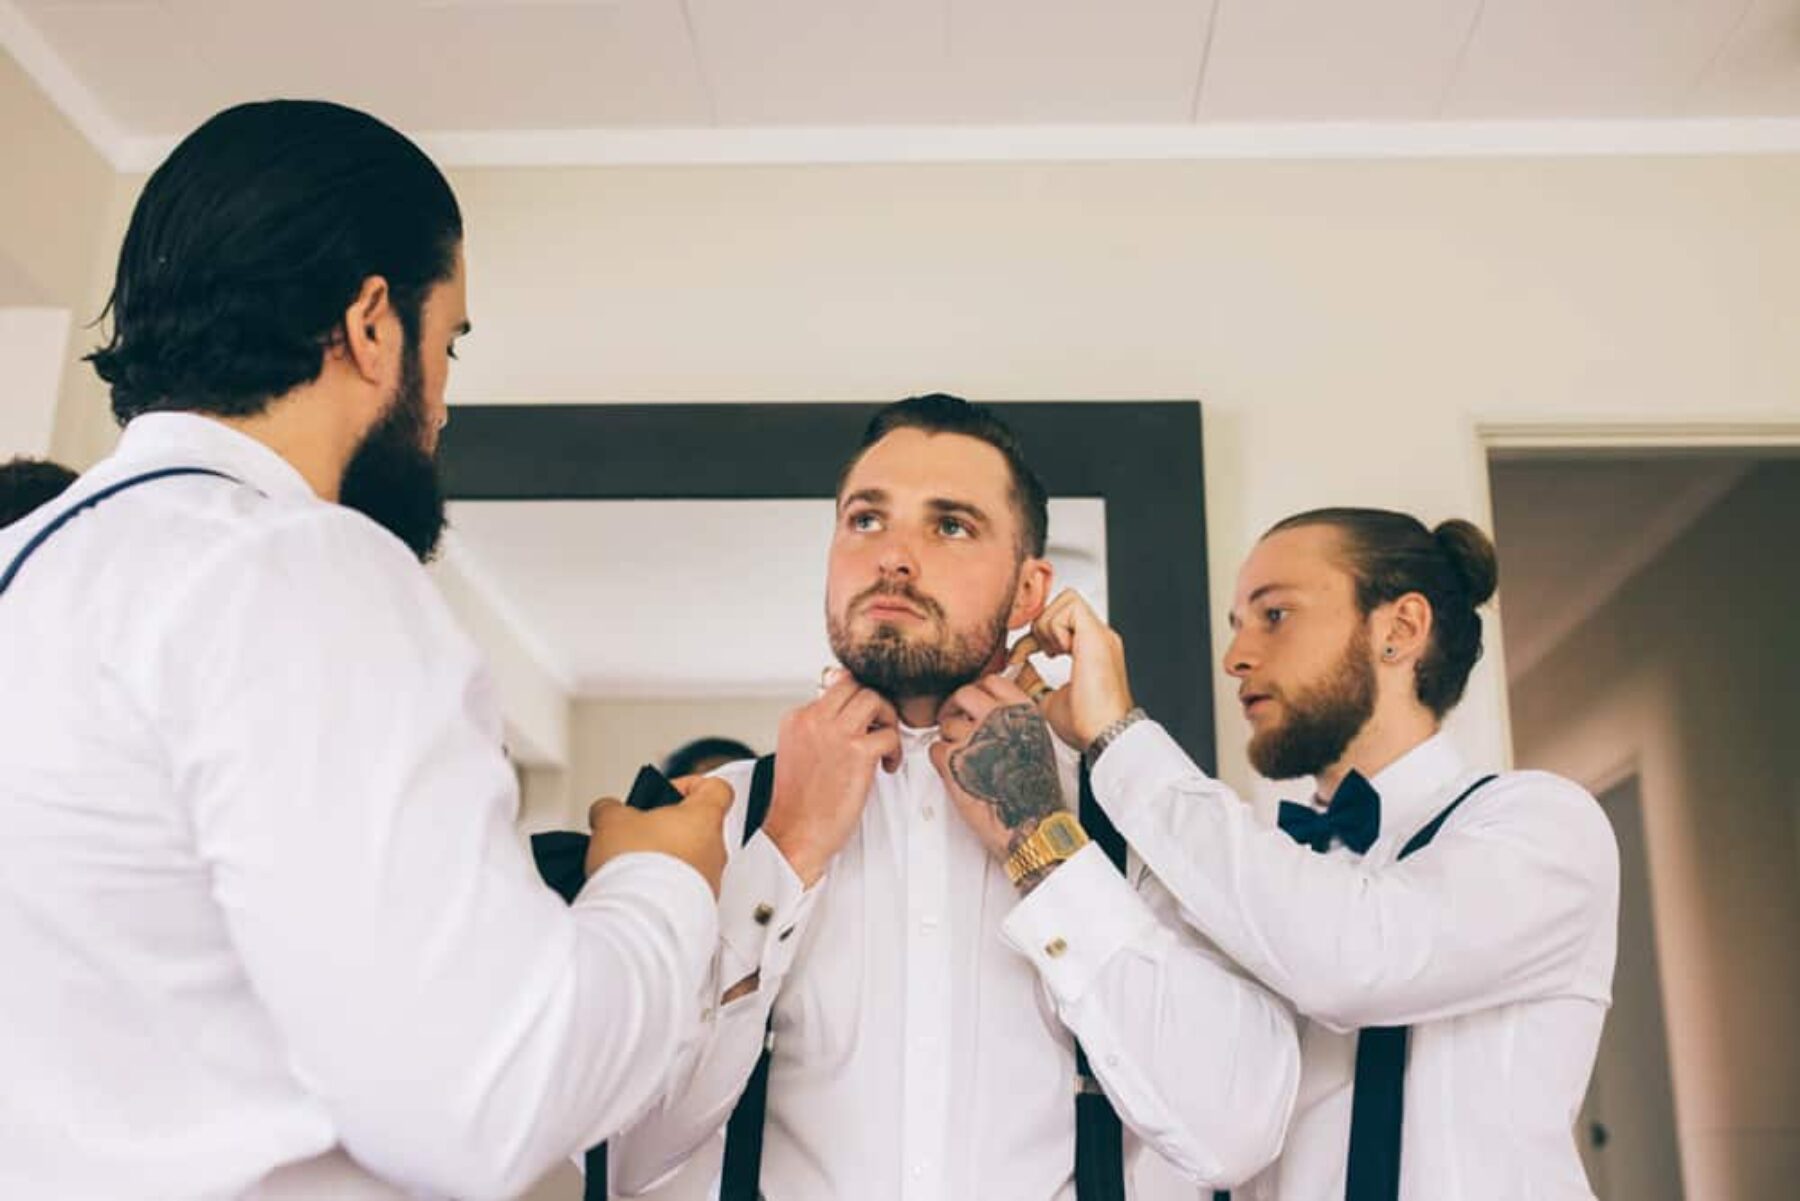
[339, 745]
[763, 911]
[1200, 1061]
[1504, 907]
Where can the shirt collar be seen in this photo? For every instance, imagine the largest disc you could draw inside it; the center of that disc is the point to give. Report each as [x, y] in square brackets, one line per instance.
[191, 440]
[1414, 786]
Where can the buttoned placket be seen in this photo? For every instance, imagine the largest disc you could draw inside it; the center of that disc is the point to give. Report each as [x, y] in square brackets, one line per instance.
[925, 1075]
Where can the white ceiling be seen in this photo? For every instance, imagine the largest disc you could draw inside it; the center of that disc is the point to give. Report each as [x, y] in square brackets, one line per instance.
[686, 598]
[1571, 532]
[492, 80]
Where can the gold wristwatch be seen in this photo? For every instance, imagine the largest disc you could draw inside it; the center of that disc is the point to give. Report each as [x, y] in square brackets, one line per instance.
[1056, 838]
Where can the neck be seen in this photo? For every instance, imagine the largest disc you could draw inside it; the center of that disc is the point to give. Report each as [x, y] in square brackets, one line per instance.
[1383, 741]
[312, 431]
[919, 711]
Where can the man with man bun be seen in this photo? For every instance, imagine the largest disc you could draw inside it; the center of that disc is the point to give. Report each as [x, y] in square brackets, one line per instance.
[1447, 934]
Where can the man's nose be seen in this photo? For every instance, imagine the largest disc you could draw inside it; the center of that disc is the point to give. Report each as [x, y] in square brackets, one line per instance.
[1238, 658]
[898, 561]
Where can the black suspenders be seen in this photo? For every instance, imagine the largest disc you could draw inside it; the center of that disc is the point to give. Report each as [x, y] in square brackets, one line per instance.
[61, 519]
[1378, 1097]
[1099, 1153]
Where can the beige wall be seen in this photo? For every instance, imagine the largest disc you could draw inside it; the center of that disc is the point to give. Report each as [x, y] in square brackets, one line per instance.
[57, 214]
[1689, 678]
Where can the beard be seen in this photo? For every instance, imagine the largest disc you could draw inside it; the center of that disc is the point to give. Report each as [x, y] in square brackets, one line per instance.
[392, 479]
[1321, 719]
[898, 667]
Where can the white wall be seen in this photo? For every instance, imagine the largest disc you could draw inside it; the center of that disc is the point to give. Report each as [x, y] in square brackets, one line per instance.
[56, 229]
[33, 343]
[1346, 324]
[1690, 676]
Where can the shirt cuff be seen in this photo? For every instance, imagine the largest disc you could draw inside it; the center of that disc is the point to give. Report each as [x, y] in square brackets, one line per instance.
[673, 892]
[762, 906]
[1138, 765]
[1075, 921]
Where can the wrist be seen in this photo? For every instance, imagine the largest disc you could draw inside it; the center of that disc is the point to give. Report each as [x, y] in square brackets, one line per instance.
[804, 855]
[1109, 733]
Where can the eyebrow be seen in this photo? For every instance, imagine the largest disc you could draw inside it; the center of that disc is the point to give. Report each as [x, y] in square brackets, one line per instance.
[871, 496]
[944, 505]
[1234, 621]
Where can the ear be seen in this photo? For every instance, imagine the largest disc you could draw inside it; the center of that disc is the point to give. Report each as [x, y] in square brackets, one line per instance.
[1033, 593]
[372, 332]
[1402, 629]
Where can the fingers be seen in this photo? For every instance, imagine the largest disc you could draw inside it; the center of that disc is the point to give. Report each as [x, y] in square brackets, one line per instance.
[1032, 684]
[867, 710]
[708, 793]
[1023, 649]
[1058, 626]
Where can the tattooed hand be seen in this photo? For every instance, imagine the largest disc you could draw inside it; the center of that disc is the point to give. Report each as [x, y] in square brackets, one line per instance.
[998, 762]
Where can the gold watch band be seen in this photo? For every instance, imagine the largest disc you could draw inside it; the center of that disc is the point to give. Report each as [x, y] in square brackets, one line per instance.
[1056, 839]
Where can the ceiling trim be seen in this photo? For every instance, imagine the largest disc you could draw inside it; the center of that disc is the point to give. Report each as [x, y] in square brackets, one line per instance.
[1510, 439]
[64, 88]
[885, 144]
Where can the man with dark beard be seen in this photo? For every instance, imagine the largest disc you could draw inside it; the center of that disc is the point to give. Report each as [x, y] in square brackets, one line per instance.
[269, 930]
[919, 910]
[1446, 934]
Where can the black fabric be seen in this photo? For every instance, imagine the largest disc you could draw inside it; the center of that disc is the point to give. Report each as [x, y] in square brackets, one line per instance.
[1099, 1138]
[61, 519]
[1377, 1102]
[561, 858]
[1353, 817]
[740, 1174]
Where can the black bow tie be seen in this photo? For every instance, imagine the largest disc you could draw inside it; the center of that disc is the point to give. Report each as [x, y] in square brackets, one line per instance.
[1353, 818]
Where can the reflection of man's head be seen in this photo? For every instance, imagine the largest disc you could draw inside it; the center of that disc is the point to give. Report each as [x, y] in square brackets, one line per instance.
[938, 548]
[248, 254]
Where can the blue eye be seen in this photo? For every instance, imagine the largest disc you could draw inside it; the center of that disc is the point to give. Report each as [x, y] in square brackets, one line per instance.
[953, 527]
[864, 521]
[1275, 616]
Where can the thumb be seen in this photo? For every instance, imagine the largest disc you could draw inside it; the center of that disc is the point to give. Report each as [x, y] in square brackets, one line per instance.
[940, 758]
[709, 793]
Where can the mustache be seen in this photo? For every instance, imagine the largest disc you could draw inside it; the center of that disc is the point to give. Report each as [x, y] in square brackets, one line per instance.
[902, 591]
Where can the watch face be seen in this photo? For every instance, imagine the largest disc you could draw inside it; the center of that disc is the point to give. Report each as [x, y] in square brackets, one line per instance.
[1060, 838]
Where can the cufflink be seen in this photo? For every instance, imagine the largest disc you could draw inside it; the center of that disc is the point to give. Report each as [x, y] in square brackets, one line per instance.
[1055, 948]
[762, 914]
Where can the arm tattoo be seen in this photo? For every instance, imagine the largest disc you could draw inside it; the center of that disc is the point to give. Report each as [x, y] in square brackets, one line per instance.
[1011, 765]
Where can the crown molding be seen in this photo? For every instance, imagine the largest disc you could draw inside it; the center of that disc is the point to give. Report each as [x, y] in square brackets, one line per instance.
[889, 144]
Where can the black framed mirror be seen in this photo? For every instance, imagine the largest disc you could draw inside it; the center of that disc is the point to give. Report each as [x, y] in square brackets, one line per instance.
[1141, 458]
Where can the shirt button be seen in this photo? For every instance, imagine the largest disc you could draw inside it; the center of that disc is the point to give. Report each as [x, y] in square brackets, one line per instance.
[928, 922]
[1055, 948]
[918, 1171]
[928, 813]
[763, 914]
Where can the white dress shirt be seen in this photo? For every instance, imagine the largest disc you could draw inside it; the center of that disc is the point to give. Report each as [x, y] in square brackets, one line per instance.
[260, 893]
[1495, 944]
[923, 1016]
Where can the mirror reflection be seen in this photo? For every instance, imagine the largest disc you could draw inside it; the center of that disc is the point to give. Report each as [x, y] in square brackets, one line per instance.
[621, 631]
